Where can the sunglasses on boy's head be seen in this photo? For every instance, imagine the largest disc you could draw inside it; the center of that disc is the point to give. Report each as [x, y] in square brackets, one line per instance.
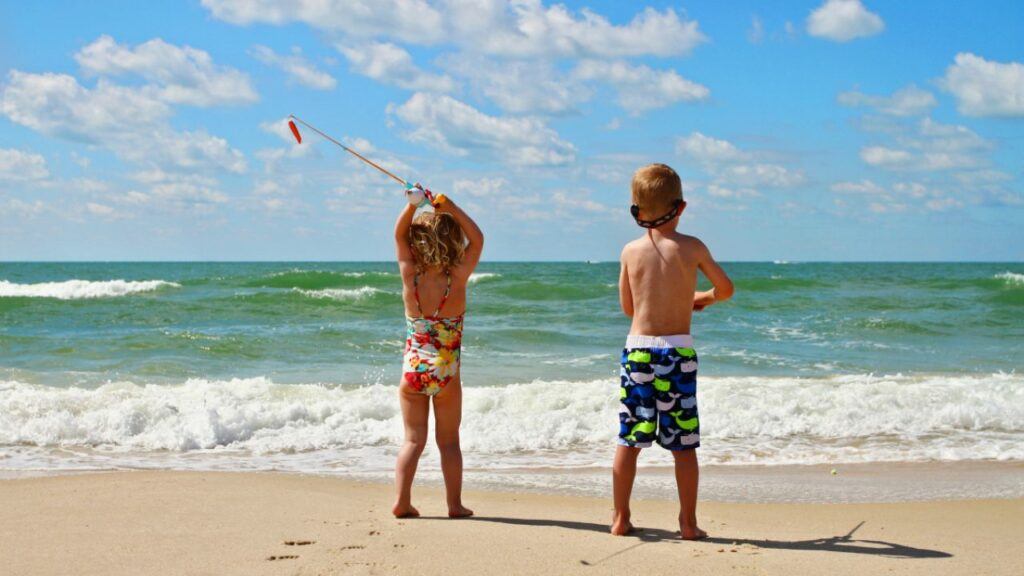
[667, 217]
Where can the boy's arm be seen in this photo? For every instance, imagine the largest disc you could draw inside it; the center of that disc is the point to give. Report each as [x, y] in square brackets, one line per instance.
[404, 252]
[625, 293]
[474, 235]
[722, 287]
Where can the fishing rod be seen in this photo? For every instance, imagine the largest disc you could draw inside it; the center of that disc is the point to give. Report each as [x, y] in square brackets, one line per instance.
[417, 194]
[292, 118]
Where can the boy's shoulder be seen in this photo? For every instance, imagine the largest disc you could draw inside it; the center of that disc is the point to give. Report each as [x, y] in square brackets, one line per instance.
[683, 241]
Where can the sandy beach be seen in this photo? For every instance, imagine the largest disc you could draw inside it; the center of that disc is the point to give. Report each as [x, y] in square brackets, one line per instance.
[266, 523]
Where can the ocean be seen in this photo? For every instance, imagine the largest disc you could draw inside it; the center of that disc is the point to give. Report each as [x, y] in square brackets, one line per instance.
[294, 367]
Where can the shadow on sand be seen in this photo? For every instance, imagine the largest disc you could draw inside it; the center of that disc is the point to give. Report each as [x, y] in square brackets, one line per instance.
[845, 543]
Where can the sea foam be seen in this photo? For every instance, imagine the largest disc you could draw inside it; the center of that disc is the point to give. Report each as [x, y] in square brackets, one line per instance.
[342, 294]
[1011, 278]
[81, 289]
[481, 276]
[551, 424]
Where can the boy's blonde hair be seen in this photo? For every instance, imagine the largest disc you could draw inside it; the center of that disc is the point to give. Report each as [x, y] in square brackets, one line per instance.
[655, 188]
[437, 241]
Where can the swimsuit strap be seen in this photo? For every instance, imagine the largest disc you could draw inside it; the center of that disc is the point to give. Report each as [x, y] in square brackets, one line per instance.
[416, 291]
[447, 290]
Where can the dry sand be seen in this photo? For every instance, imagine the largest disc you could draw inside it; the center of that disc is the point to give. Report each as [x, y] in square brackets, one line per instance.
[261, 523]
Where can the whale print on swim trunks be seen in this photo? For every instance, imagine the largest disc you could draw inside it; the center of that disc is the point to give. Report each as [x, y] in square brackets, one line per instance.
[659, 398]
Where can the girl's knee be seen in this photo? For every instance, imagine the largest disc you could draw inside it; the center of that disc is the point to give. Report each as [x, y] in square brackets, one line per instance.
[448, 443]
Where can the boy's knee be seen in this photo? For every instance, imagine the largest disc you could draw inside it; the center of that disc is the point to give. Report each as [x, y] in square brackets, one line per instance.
[685, 456]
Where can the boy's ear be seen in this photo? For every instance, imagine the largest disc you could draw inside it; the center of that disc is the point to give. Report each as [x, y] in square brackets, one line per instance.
[682, 206]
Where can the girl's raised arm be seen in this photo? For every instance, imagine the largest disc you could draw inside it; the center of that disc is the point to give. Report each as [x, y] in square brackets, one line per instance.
[473, 233]
[405, 258]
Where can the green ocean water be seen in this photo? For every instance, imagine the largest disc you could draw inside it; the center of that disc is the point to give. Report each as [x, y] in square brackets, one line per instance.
[294, 366]
[342, 322]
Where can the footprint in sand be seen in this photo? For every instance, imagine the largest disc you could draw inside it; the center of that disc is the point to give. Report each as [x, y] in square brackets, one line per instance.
[283, 557]
[299, 542]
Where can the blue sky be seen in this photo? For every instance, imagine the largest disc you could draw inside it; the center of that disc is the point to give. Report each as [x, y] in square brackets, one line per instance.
[817, 130]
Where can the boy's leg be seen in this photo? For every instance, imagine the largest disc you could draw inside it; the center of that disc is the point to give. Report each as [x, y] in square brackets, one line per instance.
[415, 413]
[687, 479]
[447, 418]
[623, 474]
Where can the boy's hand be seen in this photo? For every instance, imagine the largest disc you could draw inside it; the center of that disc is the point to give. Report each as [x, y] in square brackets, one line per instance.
[702, 300]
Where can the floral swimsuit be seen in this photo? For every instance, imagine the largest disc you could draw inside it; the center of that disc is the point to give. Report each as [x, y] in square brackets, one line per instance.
[432, 346]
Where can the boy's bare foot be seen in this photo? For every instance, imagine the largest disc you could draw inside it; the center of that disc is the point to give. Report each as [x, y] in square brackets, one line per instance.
[405, 511]
[692, 533]
[459, 511]
[621, 525]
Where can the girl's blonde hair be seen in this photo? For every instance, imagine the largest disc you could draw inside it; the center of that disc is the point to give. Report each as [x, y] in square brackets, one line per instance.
[436, 240]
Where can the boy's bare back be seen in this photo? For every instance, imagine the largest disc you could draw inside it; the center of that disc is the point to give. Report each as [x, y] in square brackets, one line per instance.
[659, 277]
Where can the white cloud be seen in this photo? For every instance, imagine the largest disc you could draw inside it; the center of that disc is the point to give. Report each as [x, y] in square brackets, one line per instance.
[719, 191]
[922, 195]
[99, 209]
[521, 86]
[460, 129]
[15, 208]
[297, 67]
[391, 64]
[415, 20]
[756, 33]
[862, 187]
[899, 197]
[885, 157]
[486, 187]
[496, 27]
[19, 166]
[907, 101]
[640, 88]
[182, 75]
[132, 122]
[57, 105]
[707, 149]
[843, 20]
[735, 172]
[930, 146]
[985, 87]
[761, 174]
[528, 28]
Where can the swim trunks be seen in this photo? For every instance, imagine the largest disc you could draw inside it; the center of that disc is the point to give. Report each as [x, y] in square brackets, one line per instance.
[659, 393]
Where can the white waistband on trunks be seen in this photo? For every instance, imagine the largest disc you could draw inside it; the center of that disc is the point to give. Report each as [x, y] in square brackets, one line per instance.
[672, 341]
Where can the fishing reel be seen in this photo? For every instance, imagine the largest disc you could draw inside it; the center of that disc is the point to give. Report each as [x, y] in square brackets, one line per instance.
[418, 196]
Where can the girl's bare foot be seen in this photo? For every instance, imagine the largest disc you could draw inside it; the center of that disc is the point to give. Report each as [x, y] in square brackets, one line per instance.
[459, 511]
[692, 532]
[405, 511]
[621, 525]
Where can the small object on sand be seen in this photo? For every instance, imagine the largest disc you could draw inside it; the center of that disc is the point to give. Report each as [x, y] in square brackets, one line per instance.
[833, 472]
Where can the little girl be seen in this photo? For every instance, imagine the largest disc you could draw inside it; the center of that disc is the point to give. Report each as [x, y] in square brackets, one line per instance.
[436, 254]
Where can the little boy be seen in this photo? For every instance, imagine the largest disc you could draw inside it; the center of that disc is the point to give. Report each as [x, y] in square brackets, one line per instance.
[657, 289]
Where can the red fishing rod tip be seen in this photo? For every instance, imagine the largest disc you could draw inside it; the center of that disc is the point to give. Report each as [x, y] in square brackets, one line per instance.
[295, 131]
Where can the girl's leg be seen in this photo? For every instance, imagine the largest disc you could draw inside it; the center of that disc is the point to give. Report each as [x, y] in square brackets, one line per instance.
[447, 418]
[415, 414]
